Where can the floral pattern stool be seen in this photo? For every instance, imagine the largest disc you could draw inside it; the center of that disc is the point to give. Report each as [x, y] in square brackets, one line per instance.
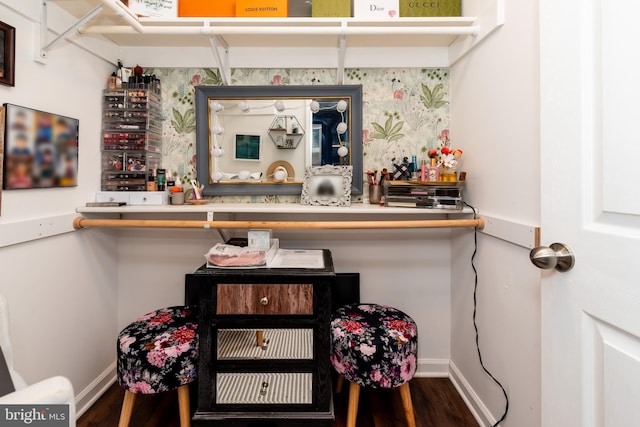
[158, 352]
[374, 346]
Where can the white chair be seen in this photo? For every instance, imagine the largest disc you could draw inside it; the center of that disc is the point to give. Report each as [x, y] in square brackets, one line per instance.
[51, 391]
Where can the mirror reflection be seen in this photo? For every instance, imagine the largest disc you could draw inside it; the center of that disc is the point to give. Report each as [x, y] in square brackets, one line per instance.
[260, 139]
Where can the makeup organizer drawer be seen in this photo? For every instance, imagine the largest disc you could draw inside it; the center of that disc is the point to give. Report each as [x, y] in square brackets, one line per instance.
[131, 137]
[264, 346]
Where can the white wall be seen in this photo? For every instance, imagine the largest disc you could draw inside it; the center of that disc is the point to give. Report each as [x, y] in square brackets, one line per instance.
[495, 117]
[408, 269]
[70, 294]
[62, 290]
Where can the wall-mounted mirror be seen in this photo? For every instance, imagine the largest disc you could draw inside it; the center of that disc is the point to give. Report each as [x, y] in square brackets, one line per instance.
[258, 140]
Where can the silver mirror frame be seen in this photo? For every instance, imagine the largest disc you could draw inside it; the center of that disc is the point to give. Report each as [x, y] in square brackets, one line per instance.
[203, 94]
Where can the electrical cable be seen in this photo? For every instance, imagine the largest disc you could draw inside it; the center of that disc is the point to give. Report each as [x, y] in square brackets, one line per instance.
[475, 324]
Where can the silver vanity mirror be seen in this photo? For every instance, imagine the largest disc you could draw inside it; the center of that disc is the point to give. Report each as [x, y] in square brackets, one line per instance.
[258, 140]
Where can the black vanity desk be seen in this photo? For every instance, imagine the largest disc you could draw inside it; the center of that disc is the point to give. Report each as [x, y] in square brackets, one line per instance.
[264, 345]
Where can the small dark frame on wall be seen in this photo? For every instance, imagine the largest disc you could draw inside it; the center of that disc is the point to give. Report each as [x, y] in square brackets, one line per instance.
[247, 147]
[7, 54]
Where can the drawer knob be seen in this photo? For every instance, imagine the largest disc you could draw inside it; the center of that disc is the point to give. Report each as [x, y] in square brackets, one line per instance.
[263, 390]
[264, 300]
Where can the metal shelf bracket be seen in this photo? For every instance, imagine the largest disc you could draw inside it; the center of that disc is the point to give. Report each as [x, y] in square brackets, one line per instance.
[217, 42]
[44, 29]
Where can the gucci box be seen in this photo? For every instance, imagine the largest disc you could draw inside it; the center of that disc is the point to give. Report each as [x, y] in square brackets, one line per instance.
[330, 8]
[422, 8]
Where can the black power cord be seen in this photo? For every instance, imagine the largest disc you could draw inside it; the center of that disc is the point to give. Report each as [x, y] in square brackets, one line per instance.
[475, 324]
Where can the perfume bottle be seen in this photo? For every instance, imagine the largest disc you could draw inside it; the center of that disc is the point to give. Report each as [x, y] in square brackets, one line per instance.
[423, 171]
[433, 174]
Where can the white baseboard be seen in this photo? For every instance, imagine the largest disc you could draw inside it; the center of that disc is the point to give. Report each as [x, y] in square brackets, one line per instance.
[432, 368]
[427, 368]
[469, 396]
[93, 391]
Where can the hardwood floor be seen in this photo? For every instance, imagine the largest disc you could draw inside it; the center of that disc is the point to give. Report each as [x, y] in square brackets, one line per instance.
[436, 404]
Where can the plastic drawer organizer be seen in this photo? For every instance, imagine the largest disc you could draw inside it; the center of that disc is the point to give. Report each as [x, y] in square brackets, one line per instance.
[131, 138]
[264, 345]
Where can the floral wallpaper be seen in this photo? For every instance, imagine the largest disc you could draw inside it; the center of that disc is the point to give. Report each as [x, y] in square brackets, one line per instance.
[405, 113]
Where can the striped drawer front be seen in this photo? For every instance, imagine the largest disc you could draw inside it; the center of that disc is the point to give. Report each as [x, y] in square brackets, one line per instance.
[278, 344]
[264, 388]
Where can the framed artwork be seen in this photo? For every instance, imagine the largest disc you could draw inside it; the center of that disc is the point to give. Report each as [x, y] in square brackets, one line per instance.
[2, 110]
[247, 147]
[7, 54]
[327, 185]
[40, 149]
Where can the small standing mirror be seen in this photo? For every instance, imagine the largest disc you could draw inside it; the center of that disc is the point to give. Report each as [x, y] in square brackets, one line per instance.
[259, 140]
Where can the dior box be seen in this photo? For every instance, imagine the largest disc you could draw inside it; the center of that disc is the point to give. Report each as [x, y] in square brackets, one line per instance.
[375, 9]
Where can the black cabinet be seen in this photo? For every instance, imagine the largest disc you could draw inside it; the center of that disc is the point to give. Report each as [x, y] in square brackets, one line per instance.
[264, 346]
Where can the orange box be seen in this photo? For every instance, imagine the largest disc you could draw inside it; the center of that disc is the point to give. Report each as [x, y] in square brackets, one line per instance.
[262, 8]
[206, 8]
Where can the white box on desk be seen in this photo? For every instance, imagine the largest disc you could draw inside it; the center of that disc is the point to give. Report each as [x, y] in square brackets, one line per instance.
[151, 198]
[112, 196]
[376, 9]
[259, 239]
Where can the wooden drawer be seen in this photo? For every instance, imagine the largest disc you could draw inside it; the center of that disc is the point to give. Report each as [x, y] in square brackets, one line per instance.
[264, 299]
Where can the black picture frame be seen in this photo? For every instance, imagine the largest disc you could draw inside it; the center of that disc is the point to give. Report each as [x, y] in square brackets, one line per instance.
[7, 54]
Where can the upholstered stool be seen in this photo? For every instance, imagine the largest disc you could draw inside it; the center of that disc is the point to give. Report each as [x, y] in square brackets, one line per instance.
[374, 346]
[158, 352]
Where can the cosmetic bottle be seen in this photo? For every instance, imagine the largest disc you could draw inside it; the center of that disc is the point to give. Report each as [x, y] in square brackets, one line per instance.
[423, 171]
[161, 179]
[151, 183]
[433, 174]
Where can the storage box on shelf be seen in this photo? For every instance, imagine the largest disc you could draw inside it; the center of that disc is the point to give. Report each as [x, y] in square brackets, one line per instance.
[411, 8]
[131, 138]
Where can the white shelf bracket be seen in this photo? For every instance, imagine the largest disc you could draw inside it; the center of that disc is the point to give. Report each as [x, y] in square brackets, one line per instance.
[342, 45]
[486, 23]
[217, 43]
[44, 29]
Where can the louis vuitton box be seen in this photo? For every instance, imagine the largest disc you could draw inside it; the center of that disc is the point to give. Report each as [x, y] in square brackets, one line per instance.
[429, 8]
[206, 8]
[261, 8]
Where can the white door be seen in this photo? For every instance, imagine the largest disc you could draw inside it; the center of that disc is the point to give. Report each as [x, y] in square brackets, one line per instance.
[590, 140]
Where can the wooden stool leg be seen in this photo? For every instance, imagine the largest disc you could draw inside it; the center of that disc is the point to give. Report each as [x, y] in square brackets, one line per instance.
[127, 408]
[183, 403]
[352, 411]
[405, 395]
[339, 384]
